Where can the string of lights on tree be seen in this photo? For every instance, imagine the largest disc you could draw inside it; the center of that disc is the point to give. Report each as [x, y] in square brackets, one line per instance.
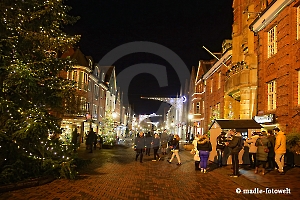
[33, 95]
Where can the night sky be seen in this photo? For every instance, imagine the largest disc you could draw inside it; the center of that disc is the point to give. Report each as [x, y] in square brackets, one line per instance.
[182, 27]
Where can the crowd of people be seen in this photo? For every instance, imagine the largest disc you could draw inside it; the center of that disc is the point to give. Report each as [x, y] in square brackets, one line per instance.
[266, 149]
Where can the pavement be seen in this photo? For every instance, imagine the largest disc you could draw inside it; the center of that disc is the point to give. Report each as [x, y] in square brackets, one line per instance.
[114, 174]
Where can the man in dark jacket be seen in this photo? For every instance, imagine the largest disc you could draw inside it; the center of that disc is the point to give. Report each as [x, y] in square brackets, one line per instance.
[91, 139]
[221, 140]
[140, 145]
[235, 144]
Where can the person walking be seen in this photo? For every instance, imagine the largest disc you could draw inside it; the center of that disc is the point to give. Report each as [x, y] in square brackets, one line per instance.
[196, 155]
[252, 149]
[164, 142]
[148, 143]
[263, 146]
[204, 147]
[236, 145]
[271, 154]
[175, 149]
[221, 140]
[156, 144]
[280, 149]
[140, 145]
[90, 140]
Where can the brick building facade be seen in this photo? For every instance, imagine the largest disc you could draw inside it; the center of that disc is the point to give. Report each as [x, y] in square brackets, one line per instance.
[277, 44]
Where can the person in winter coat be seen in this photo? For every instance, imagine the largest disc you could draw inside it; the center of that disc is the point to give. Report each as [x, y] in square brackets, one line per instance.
[252, 149]
[156, 145]
[196, 156]
[140, 145]
[164, 142]
[262, 144]
[221, 140]
[235, 144]
[271, 154]
[280, 149]
[174, 145]
[148, 143]
[204, 147]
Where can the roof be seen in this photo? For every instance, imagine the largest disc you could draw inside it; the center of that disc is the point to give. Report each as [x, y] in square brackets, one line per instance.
[237, 124]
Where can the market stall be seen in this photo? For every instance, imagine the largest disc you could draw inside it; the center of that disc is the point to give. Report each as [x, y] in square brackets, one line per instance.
[245, 126]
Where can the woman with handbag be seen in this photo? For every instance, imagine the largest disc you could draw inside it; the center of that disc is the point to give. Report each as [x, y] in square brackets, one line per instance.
[195, 152]
[204, 147]
[263, 145]
[175, 149]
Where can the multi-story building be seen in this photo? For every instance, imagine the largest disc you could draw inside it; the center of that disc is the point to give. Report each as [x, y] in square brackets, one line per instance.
[277, 44]
[77, 117]
[95, 95]
[207, 102]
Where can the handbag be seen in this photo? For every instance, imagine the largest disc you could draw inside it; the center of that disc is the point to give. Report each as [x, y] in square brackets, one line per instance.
[193, 151]
[266, 149]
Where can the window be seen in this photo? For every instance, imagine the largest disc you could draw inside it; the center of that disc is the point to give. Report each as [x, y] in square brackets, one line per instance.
[272, 95]
[81, 79]
[83, 104]
[96, 91]
[298, 87]
[272, 41]
[298, 23]
[202, 106]
[219, 81]
[89, 85]
[211, 85]
[95, 111]
[198, 107]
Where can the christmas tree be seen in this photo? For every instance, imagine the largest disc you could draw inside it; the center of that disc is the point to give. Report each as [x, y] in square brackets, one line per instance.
[32, 93]
[108, 129]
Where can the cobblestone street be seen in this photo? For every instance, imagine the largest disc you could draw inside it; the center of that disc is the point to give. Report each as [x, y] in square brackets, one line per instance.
[114, 174]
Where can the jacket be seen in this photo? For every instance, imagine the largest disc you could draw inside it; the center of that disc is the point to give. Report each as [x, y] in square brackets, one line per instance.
[140, 142]
[235, 144]
[272, 143]
[221, 139]
[251, 142]
[280, 143]
[204, 145]
[175, 143]
[262, 143]
[156, 143]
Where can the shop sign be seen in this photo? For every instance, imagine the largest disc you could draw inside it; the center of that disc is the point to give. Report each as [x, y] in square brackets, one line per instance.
[264, 119]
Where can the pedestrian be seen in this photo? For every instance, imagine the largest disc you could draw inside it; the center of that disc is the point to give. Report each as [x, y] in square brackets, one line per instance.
[221, 140]
[148, 143]
[90, 140]
[100, 141]
[204, 147]
[252, 149]
[263, 146]
[236, 146]
[175, 149]
[280, 149]
[140, 145]
[156, 144]
[164, 142]
[196, 152]
[271, 154]
[95, 141]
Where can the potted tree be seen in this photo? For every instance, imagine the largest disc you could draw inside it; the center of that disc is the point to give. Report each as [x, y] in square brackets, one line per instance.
[293, 146]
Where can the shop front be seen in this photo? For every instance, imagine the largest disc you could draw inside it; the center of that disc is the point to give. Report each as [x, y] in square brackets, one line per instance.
[245, 126]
